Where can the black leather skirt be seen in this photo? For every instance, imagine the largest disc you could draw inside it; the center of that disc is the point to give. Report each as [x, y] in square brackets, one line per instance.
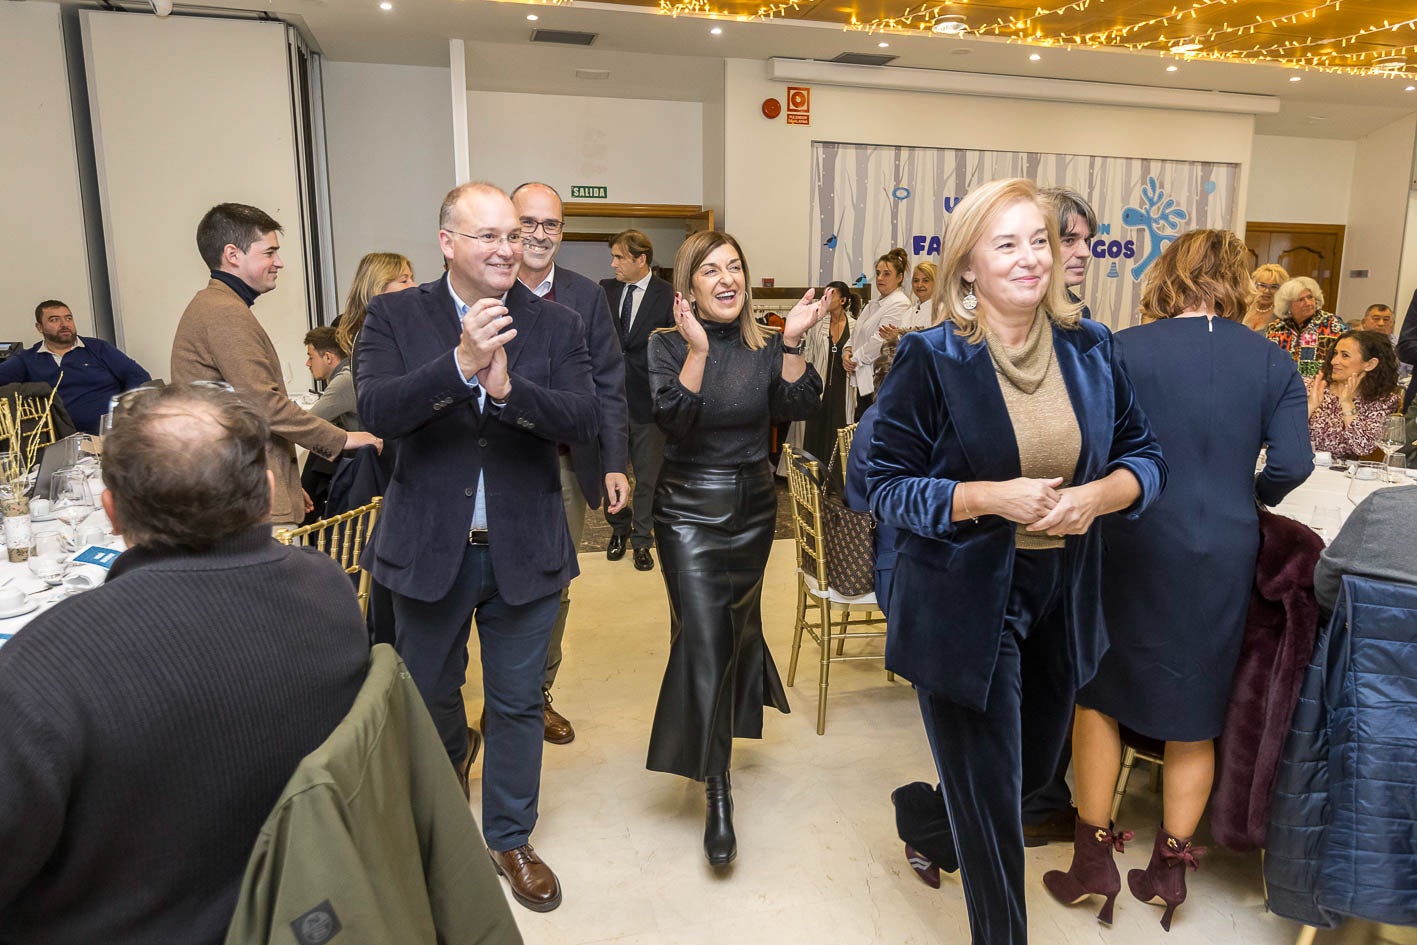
[713, 526]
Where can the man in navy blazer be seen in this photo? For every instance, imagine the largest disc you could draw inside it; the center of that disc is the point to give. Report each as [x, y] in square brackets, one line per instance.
[605, 459]
[640, 303]
[476, 380]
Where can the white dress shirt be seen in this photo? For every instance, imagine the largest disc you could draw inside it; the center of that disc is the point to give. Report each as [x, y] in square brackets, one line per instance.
[640, 288]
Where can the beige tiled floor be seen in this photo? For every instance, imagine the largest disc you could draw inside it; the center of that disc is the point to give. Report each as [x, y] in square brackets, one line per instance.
[818, 859]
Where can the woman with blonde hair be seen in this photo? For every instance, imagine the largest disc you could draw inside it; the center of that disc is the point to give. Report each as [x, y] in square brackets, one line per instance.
[1215, 393]
[719, 380]
[1260, 312]
[1001, 435]
[922, 286]
[376, 274]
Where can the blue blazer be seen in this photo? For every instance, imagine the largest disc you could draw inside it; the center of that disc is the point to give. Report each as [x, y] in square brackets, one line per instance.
[942, 421]
[411, 392]
[610, 452]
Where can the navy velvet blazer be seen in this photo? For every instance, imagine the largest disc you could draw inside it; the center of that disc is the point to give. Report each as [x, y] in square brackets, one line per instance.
[610, 451]
[656, 311]
[941, 420]
[411, 392]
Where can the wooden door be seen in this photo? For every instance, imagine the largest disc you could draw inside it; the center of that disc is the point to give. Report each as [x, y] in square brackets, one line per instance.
[1303, 249]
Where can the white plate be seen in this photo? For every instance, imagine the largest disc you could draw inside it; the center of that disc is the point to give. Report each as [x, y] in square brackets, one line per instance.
[24, 608]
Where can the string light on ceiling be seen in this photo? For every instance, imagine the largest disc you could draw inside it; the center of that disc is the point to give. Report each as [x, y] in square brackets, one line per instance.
[1337, 36]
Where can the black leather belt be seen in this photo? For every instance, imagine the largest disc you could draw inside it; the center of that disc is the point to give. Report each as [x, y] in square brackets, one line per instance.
[477, 536]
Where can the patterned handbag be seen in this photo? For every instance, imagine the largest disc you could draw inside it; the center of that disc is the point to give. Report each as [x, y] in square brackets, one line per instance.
[850, 540]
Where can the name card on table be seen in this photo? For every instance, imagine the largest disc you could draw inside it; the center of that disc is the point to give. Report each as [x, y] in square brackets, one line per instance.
[93, 554]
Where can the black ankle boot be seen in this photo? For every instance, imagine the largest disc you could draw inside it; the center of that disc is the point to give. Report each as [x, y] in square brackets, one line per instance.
[720, 845]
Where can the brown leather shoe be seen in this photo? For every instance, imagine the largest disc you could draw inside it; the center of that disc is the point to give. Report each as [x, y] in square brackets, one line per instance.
[558, 728]
[533, 883]
[1057, 828]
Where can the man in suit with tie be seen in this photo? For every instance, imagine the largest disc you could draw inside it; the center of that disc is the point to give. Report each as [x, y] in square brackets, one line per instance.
[476, 380]
[642, 302]
[604, 460]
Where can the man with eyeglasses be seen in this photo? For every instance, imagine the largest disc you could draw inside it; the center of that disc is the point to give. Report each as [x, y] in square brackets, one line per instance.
[219, 339]
[586, 468]
[641, 303]
[477, 379]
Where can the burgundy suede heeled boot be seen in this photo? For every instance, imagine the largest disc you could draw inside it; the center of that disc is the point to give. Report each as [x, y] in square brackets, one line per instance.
[1092, 873]
[1164, 880]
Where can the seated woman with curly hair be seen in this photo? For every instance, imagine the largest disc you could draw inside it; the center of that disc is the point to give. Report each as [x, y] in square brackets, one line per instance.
[1355, 392]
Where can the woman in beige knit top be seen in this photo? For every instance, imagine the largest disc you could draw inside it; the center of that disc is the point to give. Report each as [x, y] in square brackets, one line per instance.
[1002, 434]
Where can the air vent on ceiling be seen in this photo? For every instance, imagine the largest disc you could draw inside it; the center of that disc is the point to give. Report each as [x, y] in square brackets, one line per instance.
[564, 37]
[863, 59]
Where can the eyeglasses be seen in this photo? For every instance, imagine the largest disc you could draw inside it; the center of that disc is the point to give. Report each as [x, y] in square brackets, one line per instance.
[119, 403]
[1271, 286]
[549, 227]
[492, 240]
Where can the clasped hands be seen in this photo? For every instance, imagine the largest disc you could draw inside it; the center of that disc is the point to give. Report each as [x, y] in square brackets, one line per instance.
[481, 351]
[1042, 505]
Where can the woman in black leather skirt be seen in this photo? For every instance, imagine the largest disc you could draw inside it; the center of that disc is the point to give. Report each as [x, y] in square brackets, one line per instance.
[720, 380]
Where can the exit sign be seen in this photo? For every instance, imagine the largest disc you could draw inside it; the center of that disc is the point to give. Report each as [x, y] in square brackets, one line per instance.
[589, 192]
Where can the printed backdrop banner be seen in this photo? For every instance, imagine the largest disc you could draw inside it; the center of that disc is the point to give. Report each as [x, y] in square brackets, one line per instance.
[869, 198]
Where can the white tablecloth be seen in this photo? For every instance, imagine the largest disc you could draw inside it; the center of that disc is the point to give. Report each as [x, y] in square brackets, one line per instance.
[20, 577]
[1329, 487]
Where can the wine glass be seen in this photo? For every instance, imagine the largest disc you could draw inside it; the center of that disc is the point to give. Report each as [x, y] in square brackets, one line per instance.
[1327, 520]
[1394, 438]
[70, 497]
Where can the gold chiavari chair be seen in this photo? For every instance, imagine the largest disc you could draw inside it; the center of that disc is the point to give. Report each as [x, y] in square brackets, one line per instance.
[813, 589]
[342, 537]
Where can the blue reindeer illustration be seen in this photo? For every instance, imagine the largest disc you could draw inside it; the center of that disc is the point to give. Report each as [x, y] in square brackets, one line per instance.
[1159, 211]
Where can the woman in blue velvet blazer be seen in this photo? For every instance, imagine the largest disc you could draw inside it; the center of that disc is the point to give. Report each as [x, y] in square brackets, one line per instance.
[1002, 434]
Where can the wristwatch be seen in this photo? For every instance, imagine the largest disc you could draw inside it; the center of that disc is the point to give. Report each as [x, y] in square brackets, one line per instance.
[798, 349]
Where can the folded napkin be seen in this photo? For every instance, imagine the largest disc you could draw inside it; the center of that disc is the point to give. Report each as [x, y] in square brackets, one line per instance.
[84, 577]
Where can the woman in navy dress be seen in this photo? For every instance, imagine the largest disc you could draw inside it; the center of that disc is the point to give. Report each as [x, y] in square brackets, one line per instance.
[1176, 581]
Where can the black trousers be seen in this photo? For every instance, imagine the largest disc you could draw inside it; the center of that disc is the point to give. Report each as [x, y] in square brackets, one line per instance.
[646, 457]
[989, 760]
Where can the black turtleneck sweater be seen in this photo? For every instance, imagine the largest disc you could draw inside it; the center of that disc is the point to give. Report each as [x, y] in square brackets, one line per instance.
[239, 286]
[728, 422]
[147, 728]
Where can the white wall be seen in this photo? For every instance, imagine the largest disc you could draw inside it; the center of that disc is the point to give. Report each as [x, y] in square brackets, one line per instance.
[767, 165]
[388, 131]
[643, 151]
[1382, 175]
[161, 168]
[45, 255]
[1407, 274]
[1300, 180]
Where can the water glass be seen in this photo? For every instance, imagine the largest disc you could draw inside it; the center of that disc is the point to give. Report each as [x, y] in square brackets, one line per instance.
[1397, 468]
[1327, 520]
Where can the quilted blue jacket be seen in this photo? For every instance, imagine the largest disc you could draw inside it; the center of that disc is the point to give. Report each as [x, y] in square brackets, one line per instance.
[1343, 828]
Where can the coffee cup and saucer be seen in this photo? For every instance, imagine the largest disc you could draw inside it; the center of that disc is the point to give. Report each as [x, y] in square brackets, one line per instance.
[13, 603]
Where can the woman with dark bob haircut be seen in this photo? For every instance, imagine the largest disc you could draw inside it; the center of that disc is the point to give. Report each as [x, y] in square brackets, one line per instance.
[1354, 394]
[1176, 580]
[1002, 434]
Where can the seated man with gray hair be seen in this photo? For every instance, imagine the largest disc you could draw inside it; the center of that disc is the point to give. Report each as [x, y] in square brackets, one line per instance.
[151, 724]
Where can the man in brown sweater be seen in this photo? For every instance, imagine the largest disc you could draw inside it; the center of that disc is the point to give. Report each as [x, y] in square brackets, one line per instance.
[219, 339]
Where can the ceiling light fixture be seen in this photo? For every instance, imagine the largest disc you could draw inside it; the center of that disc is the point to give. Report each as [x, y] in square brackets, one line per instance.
[1295, 78]
[533, 17]
[1389, 65]
[883, 45]
[1410, 88]
[1182, 49]
[1172, 68]
[951, 24]
[717, 31]
[386, 6]
[1034, 57]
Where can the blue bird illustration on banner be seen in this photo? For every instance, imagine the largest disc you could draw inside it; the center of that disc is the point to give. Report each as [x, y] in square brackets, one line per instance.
[861, 281]
[831, 242]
